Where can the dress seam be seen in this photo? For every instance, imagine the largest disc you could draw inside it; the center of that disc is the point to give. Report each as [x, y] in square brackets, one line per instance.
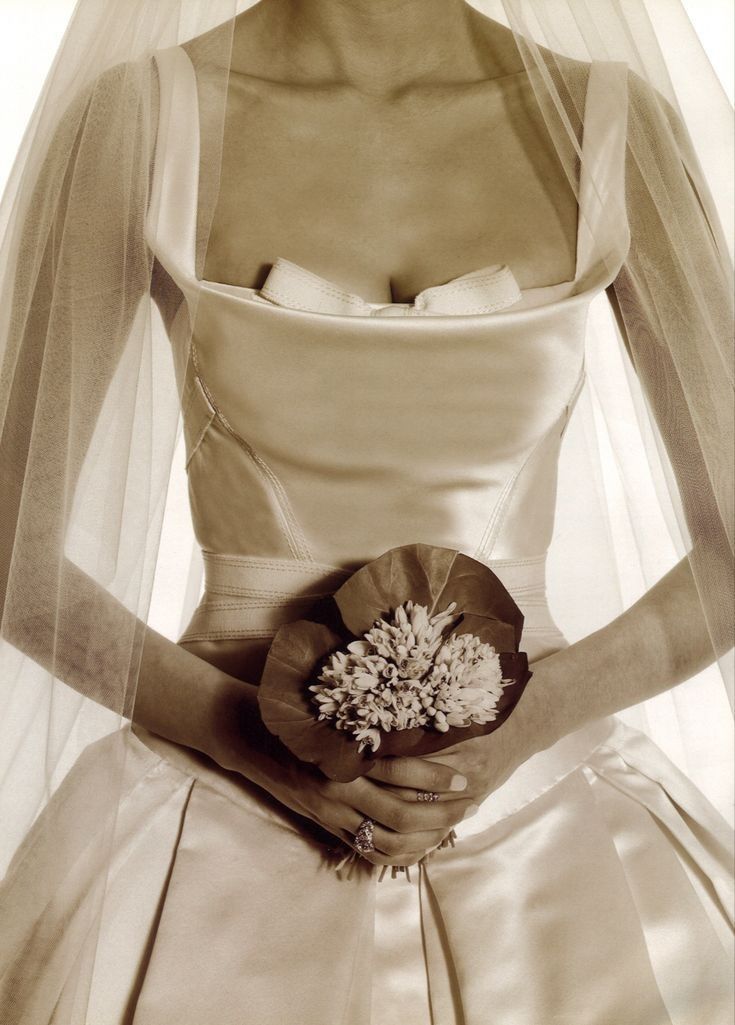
[202, 434]
[263, 562]
[258, 604]
[134, 998]
[294, 536]
[246, 592]
[246, 633]
[500, 511]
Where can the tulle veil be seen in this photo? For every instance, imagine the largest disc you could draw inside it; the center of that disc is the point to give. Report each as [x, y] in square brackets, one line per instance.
[96, 540]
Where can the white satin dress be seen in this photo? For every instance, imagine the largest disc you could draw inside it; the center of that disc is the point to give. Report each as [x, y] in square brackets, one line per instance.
[593, 888]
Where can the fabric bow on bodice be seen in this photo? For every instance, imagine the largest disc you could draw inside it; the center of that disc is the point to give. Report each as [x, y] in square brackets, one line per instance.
[487, 290]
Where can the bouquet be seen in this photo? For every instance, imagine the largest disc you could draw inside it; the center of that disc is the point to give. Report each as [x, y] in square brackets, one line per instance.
[415, 652]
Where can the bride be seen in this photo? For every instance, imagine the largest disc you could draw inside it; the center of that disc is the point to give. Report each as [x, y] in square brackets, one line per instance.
[356, 248]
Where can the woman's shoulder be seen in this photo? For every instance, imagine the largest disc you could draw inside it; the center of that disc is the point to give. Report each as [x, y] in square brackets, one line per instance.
[109, 118]
[127, 86]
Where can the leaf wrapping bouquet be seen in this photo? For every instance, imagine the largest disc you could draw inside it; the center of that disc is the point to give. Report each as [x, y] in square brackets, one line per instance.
[416, 651]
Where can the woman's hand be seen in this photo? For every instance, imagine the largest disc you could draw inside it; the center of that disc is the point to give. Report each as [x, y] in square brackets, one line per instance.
[406, 829]
[488, 761]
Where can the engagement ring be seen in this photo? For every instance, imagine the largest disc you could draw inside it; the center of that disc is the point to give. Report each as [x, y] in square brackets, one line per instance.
[363, 841]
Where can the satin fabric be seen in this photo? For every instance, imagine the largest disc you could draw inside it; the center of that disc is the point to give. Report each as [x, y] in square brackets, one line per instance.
[602, 897]
[593, 887]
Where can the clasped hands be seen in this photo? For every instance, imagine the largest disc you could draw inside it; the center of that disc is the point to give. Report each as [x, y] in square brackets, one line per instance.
[463, 776]
[406, 828]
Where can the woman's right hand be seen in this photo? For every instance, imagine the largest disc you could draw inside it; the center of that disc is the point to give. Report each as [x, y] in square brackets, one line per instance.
[405, 830]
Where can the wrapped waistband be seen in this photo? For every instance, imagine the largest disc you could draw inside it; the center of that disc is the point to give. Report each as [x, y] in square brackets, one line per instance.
[251, 596]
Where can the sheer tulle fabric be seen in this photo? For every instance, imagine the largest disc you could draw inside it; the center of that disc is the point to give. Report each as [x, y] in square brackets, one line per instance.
[89, 403]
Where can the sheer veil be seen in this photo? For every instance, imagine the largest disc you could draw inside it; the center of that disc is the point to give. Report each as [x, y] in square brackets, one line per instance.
[92, 501]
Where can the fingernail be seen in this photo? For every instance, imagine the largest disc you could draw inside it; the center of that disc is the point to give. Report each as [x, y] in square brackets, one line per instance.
[458, 783]
[471, 811]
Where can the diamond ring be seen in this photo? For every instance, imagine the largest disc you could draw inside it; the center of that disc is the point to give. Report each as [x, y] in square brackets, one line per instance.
[363, 841]
[426, 795]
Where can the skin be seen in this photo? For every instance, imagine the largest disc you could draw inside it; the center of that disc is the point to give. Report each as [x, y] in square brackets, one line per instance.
[397, 102]
[407, 131]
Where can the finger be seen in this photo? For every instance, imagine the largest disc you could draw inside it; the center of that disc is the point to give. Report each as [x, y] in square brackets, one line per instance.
[418, 774]
[377, 803]
[406, 844]
[391, 848]
[379, 857]
[412, 796]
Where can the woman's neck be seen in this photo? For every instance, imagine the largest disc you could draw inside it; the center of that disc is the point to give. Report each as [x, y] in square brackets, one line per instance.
[376, 46]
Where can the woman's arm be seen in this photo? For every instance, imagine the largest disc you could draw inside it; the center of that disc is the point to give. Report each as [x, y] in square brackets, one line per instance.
[83, 269]
[658, 642]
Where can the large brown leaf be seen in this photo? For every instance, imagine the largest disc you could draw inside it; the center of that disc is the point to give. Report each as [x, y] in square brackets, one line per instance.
[433, 577]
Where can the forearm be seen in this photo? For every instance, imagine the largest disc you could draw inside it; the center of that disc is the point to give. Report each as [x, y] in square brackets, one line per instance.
[658, 642]
[97, 646]
[178, 695]
[188, 700]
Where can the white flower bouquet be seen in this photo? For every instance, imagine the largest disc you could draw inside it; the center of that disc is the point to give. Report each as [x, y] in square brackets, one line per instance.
[415, 652]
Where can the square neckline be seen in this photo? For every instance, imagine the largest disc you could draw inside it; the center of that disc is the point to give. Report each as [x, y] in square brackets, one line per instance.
[181, 66]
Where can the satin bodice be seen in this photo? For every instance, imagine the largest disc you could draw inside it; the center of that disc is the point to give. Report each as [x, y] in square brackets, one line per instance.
[322, 430]
[337, 443]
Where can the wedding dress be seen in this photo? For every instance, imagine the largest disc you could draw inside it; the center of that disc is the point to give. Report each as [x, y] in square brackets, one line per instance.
[321, 430]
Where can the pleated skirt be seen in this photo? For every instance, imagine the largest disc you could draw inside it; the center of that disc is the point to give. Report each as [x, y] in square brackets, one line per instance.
[593, 888]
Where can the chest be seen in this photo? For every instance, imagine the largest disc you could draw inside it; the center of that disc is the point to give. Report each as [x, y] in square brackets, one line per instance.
[386, 198]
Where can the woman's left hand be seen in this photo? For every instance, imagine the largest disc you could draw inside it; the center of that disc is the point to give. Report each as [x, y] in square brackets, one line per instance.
[488, 761]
